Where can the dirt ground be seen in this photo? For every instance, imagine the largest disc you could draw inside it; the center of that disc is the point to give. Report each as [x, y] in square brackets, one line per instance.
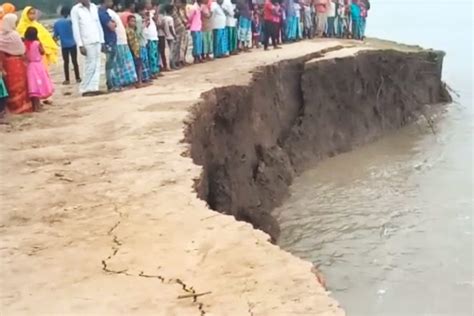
[99, 215]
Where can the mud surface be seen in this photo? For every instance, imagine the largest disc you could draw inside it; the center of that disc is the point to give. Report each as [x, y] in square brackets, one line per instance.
[253, 139]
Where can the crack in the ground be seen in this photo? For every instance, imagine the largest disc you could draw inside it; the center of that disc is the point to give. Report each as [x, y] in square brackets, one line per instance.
[115, 249]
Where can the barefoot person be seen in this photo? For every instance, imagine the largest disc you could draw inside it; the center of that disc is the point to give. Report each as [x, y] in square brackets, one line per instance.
[63, 32]
[40, 86]
[13, 67]
[89, 37]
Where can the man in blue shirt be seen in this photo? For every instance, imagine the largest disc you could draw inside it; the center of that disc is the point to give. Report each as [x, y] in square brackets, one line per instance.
[63, 32]
[110, 40]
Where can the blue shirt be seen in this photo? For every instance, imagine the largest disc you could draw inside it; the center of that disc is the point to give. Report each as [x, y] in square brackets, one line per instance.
[110, 37]
[355, 11]
[63, 31]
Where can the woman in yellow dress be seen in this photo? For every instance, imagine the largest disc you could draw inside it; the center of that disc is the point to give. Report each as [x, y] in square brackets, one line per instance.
[51, 49]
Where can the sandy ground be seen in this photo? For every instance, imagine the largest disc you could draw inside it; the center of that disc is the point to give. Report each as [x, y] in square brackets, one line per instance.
[99, 216]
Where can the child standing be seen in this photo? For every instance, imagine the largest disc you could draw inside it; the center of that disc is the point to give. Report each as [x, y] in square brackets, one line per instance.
[63, 32]
[40, 86]
[256, 29]
[170, 35]
[134, 44]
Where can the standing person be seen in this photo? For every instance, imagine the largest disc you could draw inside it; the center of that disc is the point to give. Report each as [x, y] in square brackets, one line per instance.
[244, 31]
[231, 25]
[341, 21]
[321, 17]
[110, 40]
[160, 25]
[151, 35]
[256, 29]
[40, 86]
[51, 49]
[331, 19]
[89, 38]
[271, 16]
[355, 17]
[364, 10]
[291, 27]
[63, 32]
[124, 67]
[307, 20]
[195, 26]
[13, 67]
[134, 43]
[179, 49]
[206, 30]
[220, 36]
[141, 23]
[170, 34]
[183, 47]
[299, 31]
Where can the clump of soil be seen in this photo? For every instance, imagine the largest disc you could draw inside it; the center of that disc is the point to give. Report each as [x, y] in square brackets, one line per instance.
[252, 140]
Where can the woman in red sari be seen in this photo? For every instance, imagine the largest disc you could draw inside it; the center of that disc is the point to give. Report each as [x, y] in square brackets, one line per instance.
[12, 66]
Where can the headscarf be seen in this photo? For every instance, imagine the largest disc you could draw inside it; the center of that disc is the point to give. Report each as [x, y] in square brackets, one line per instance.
[51, 49]
[6, 8]
[124, 17]
[10, 40]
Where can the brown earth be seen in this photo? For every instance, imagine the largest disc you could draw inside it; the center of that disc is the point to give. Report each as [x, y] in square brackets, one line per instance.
[252, 140]
[99, 215]
[99, 211]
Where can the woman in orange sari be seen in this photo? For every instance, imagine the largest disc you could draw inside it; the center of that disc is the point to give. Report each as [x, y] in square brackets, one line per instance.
[12, 66]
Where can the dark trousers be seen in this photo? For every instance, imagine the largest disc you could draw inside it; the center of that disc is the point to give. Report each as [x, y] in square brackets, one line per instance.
[110, 61]
[270, 30]
[72, 52]
[162, 49]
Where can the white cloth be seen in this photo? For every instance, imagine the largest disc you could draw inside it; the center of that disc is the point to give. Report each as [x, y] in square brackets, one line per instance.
[229, 10]
[218, 20]
[169, 27]
[120, 29]
[92, 66]
[332, 9]
[297, 10]
[86, 25]
[151, 32]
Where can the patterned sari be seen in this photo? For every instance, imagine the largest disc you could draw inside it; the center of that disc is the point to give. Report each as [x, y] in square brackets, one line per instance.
[16, 81]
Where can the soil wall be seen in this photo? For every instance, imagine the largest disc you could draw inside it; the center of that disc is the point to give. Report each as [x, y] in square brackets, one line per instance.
[252, 140]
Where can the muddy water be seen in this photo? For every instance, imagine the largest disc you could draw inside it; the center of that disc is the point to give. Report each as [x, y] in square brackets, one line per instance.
[391, 224]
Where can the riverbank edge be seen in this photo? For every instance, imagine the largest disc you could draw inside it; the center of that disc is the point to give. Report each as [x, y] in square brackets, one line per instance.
[253, 140]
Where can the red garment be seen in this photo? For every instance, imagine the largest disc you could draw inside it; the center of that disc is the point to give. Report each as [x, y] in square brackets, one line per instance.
[268, 11]
[16, 82]
[322, 6]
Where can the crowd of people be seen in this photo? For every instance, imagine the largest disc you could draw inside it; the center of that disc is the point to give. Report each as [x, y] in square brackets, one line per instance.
[142, 39]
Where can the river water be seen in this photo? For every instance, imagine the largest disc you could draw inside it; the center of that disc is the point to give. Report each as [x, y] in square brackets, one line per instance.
[390, 225]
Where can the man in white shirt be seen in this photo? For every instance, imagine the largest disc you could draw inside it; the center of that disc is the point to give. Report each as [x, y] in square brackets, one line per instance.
[231, 25]
[89, 37]
[218, 20]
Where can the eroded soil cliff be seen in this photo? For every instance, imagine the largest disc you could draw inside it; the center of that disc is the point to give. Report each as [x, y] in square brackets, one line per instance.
[253, 139]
